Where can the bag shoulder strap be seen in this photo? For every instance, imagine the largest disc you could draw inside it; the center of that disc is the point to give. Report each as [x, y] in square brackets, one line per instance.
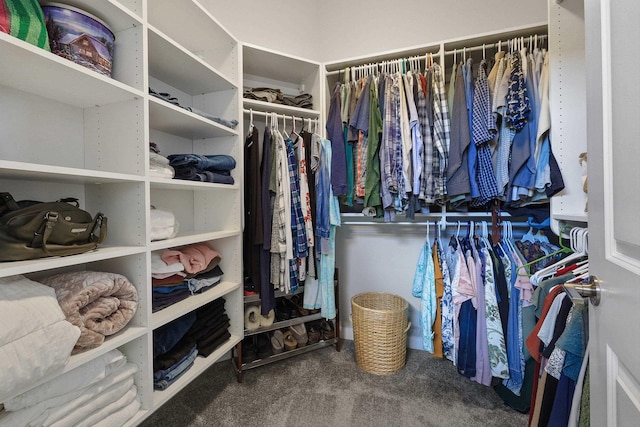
[7, 203]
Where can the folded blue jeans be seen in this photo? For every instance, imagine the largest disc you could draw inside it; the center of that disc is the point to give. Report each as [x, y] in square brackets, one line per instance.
[214, 162]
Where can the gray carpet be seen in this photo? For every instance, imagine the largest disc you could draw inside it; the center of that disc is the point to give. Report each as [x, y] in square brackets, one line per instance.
[327, 388]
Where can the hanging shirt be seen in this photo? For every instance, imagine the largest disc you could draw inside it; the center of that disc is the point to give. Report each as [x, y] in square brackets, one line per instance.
[424, 287]
[441, 134]
[328, 254]
[458, 185]
[495, 335]
[372, 178]
[484, 129]
[417, 146]
[335, 133]
[507, 133]
[427, 189]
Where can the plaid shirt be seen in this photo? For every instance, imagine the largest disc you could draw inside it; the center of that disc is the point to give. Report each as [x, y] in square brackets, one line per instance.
[391, 140]
[483, 131]
[297, 219]
[441, 132]
[427, 154]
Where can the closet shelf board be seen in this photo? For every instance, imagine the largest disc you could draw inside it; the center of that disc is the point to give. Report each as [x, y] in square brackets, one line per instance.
[191, 26]
[287, 110]
[168, 62]
[42, 73]
[199, 366]
[186, 185]
[572, 218]
[188, 237]
[191, 303]
[274, 65]
[43, 264]
[37, 172]
[177, 121]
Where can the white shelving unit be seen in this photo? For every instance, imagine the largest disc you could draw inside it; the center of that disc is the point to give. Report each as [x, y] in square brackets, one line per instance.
[71, 132]
[262, 67]
[568, 109]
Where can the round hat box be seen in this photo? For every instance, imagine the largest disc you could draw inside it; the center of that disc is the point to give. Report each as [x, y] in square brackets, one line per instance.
[79, 37]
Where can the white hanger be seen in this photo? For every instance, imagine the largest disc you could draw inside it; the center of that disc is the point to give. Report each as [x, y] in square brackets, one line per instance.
[284, 126]
[251, 126]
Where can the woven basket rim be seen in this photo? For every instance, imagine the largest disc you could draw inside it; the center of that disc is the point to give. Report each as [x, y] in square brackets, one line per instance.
[405, 303]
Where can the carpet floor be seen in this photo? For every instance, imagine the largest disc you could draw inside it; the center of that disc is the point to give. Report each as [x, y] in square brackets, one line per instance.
[327, 388]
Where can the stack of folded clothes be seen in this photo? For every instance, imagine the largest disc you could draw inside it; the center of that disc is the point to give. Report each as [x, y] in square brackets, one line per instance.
[158, 164]
[173, 100]
[163, 224]
[214, 168]
[177, 344]
[178, 273]
[275, 96]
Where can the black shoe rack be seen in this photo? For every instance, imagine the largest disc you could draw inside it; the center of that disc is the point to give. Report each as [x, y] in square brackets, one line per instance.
[236, 354]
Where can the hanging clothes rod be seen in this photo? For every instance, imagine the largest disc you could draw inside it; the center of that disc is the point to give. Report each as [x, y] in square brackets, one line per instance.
[525, 39]
[280, 116]
[377, 65]
[442, 224]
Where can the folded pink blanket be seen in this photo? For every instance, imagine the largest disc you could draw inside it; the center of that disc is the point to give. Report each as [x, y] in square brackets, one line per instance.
[195, 258]
[99, 303]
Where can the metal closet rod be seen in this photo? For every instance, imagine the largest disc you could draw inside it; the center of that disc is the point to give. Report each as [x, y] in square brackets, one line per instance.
[279, 116]
[442, 224]
[503, 43]
[540, 37]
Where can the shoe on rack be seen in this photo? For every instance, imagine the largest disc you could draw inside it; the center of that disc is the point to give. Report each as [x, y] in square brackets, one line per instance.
[263, 345]
[298, 302]
[249, 290]
[277, 342]
[266, 321]
[283, 312]
[293, 309]
[327, 330]
[290, 342]
[313, 331]
[300, 334]
[248, 349]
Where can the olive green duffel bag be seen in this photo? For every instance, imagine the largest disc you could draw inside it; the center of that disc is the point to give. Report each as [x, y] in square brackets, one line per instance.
[30, 229]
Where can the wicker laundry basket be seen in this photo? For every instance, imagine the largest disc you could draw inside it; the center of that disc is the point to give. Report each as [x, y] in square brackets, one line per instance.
[380, 326]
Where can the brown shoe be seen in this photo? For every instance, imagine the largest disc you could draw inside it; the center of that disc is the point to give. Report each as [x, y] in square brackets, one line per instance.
[313, 331]
[327, 330]
[300, 334]
[277, 342]
[290, 342]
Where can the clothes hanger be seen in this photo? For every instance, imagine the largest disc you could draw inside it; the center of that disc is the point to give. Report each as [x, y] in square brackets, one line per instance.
[284, 126]
[251, 127]
[574, 255]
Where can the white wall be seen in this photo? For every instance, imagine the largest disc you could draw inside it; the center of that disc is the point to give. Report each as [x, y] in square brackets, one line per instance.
[352, 28]
[330, 30]
[288, 26]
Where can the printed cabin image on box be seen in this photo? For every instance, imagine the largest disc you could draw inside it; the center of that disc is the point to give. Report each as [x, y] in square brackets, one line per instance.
[79, 37]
